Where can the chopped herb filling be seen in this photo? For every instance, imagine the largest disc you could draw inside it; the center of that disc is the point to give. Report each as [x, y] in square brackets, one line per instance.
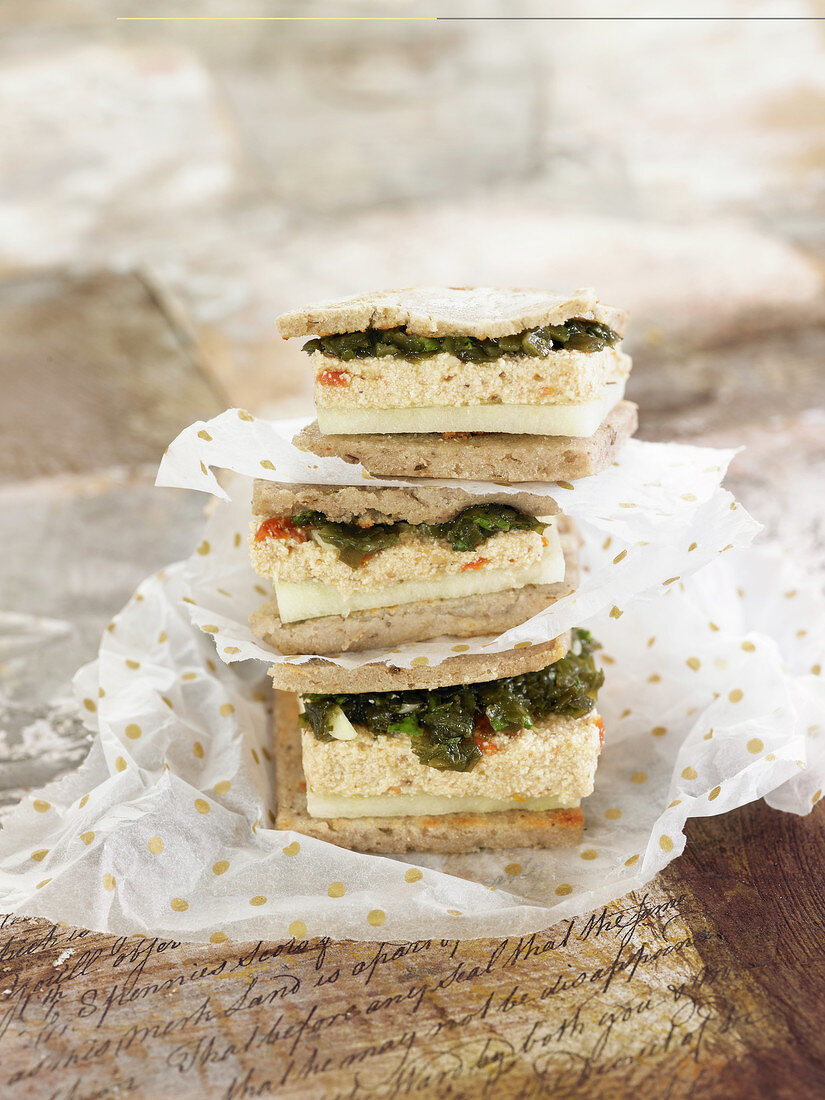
[374, 343]
[465, 531]
[448, 726]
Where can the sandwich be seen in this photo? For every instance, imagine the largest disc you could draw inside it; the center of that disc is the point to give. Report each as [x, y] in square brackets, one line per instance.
[362, 567]
[481, 383]
[458, 766]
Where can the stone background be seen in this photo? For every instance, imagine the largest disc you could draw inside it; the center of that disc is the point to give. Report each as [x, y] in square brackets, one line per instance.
[169, 188]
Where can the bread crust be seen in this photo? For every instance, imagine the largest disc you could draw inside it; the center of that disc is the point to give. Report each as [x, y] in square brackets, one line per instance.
[327, 677]
[446, 833]
[483, 456]
[481, 312]
[389, 504]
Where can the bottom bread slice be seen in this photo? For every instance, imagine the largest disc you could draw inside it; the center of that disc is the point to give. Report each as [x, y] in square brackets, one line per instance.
[445, 833]
[482, 456]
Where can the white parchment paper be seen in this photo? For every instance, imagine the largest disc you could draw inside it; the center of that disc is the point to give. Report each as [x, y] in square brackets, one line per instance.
[714, 697]
[656, 515]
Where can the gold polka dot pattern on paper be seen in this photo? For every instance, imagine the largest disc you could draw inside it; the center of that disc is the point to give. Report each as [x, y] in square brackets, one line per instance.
[630, 862]
[615, 613]
[87, 837]
[202, 806]
[748, 647]
[419, 662]
[665, 843]
[692, 546]
[187, 677]
[638, 777]
[41, 806]
[204, 548]
[659, 731]
[130, 663]
[298, 929]
[714, 794]
[108, 881]
[266, 753]
[83, 801]
[259, 899]
[218, 937]
[336, 889]
[40, 855]
[232, 649]
[100, 693]
[563, 889]
[222, 787]
[204, 434]
[518, 645]
[376, 917]
[210, 628]
[133, 731]
[120, 764]
[816, 797]
[180, 905]
[771, 757]
[755, 745]
[689, 773]
[613, 814]
[90, 704]
[675, 802]
[589, 853]
[455, 912]
[654, 678]
[413, 874]
[197, 749]
[694, 663]
[45, 882]
[156, 845]
[267, 464]
[292, 849]
[513, 869]
[736, 695]
[236, 541]
[255, 756]
[620, 557]
[168, 702]
[163, 637]
[816, 670]
[226, 710]
[221, 866]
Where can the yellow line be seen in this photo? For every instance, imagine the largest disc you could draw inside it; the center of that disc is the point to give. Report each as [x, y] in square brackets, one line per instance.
[277, 18]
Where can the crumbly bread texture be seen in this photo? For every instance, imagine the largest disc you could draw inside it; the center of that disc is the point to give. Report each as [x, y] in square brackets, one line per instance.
[482, 312]
[561, 378]
[463, 832]
[374, 504]
[326, 677]
[556, 757]
[482, 456]
[464, 617]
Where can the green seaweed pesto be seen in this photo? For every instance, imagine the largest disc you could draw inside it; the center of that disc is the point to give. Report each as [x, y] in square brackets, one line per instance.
[573, 335]
[465, 531]
[442, 724]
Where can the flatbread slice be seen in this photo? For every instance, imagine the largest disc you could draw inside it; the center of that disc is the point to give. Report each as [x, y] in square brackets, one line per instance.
[447, 833]
[327, 677]
[482, 312]
[416, 503]
[482, 456]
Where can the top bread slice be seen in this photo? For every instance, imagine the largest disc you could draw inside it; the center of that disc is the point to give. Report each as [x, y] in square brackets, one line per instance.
[481, 312]
[369, 504]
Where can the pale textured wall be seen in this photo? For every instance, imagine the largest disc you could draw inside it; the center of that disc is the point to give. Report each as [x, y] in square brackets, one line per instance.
[679, 167]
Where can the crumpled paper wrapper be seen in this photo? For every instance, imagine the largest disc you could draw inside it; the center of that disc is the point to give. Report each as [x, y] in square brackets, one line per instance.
[656, 515]
[714, 697]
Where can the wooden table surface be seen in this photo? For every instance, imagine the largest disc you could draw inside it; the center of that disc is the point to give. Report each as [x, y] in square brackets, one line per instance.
[709, 984]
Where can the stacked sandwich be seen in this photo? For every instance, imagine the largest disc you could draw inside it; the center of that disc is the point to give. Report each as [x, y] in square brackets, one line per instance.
[481, 750]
